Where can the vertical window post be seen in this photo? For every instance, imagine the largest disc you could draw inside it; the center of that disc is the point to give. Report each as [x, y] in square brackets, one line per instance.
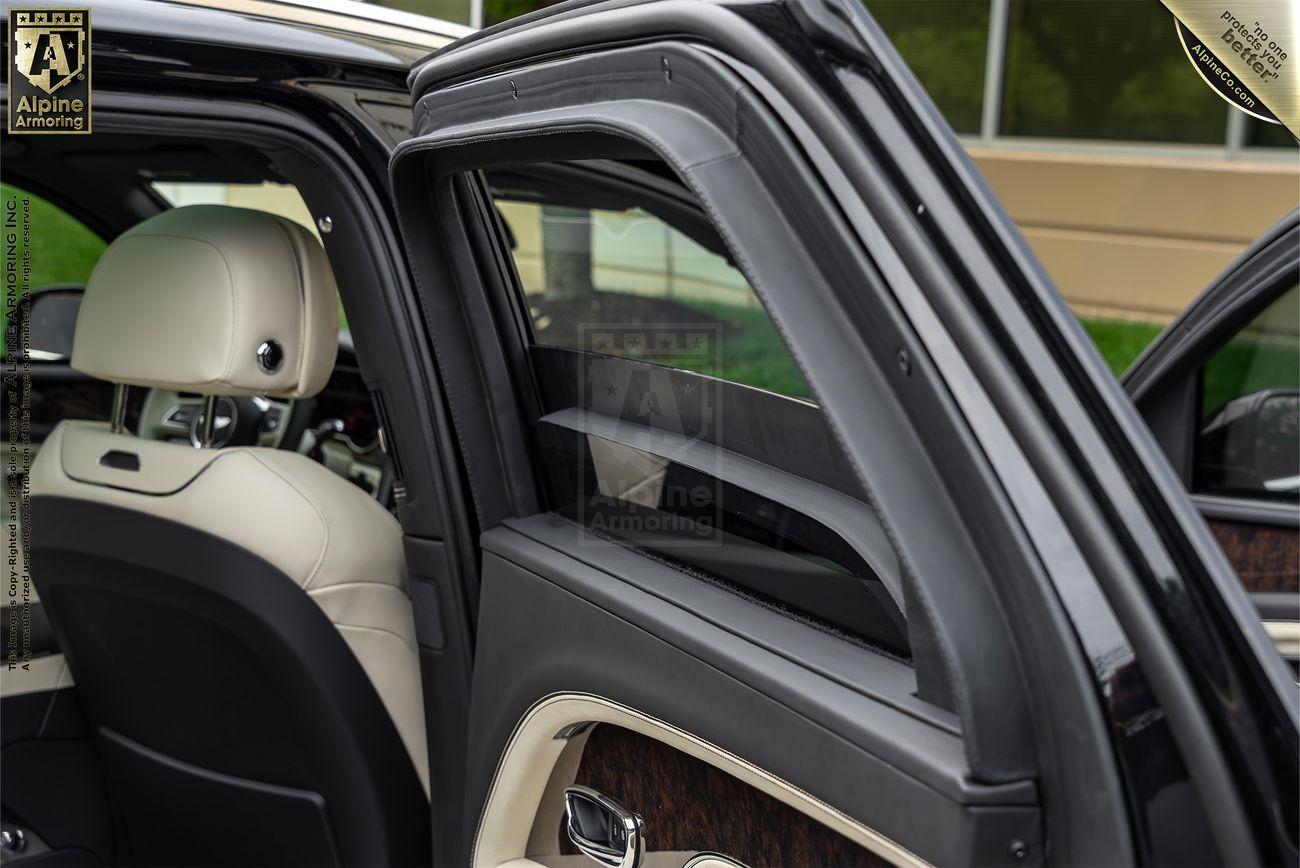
[1236, 134]
[994, 64]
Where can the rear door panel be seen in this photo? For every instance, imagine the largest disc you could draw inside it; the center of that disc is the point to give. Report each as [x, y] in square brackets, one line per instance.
[577, 628]
[834, 726]
[985, 743]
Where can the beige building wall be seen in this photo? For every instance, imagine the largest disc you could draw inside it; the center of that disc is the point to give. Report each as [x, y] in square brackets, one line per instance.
[1137, 237]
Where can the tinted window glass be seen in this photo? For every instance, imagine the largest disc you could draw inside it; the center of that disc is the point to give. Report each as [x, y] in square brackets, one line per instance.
[1260, 134]
[630, 294]
[1249, 440]
[496, 11]
[283, 200]
[58, 249]
[720, 532]
[603, 273]
[945, 44]
[1109, 69]
[62, 249]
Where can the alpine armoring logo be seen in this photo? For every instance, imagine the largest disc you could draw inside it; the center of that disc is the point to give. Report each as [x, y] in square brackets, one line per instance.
[49, 71]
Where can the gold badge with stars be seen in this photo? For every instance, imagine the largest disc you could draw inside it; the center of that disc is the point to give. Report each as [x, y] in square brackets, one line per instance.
[49, 71]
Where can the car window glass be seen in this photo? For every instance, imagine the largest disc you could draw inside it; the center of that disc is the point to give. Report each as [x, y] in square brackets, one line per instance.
[586, 270]
[281, 199]
[59, 250]
[1249, 432]
[62, 250]
[646, 341]
[724, 533]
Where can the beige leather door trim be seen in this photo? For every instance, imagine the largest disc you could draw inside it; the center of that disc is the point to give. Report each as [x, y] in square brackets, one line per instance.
[538, 741]
[1286, 636]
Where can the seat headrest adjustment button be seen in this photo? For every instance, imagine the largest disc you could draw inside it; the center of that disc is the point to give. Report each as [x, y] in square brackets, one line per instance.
[270, 356]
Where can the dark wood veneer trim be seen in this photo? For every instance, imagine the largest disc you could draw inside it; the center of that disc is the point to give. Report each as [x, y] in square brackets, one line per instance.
[689, 805]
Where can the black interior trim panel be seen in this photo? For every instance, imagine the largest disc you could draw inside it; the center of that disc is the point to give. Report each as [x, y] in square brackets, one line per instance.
[691, 658]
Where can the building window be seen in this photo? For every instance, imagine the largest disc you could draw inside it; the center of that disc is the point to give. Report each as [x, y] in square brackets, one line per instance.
[946, 45]
[1265, 135]
[1111, 69]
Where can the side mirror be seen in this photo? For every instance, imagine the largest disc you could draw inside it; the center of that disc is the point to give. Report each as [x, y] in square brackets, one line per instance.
[1277, 441]
[50, 316]
[1252, 446]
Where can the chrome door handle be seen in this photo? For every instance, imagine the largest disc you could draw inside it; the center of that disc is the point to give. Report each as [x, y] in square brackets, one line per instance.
[603, 829]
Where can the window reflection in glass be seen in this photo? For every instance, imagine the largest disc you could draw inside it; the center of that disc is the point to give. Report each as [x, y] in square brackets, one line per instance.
[586, 270]
[1249, 439]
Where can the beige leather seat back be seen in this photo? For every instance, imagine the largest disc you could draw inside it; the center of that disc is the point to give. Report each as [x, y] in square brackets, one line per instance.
[252, 561]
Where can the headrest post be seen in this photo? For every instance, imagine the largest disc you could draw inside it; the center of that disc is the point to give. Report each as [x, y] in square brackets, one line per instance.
[209, 421]
[117, 422]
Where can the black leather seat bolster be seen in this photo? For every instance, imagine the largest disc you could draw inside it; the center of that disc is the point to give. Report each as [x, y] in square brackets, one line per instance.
[40, 635]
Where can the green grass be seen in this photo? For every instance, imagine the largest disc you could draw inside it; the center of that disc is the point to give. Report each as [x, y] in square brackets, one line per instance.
[751, 351]
[62, 250]
[1120, 341]
[1242, 366]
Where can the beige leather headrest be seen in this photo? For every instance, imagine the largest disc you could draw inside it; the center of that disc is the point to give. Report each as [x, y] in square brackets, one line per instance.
[211, 299]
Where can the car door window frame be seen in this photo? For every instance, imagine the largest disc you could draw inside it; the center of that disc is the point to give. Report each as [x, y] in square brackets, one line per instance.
[763, 428]
[463, 143]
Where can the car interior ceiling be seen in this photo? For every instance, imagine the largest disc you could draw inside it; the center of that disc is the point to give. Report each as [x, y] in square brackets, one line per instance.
[103, 180]
[106, 183]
